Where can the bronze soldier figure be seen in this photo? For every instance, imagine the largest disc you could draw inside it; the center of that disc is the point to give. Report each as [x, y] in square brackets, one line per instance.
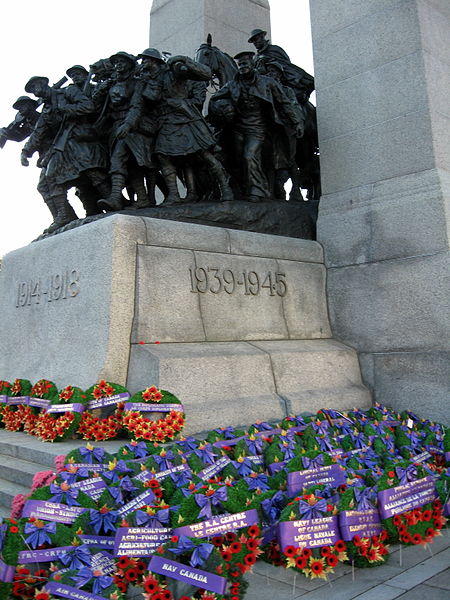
[183, 134]
[256, 107]
[24, 121]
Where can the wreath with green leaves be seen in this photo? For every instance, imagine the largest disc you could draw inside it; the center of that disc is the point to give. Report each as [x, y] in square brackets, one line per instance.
[103, 418]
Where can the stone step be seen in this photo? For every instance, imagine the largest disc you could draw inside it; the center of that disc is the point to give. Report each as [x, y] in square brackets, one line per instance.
[19, 471]
[7, 492]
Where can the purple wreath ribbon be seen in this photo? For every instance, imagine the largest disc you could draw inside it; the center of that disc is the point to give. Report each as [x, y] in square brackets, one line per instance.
[287, 446]
[164, 462]
[358, 439]
[260, 482]
[312, 512]
[321, 428]
[206, 502]
[3, 530]
[114, 474]
[272, 507]
[37, 536]
[254, 446]
[69, 496]
[188, 444]
[243, 467]
[139, 450]
[325, 443]
[105, 521]
[200, 554]
[313, 463]
[87, 575]
[76, 558]
[365, 498]
[205, 454]
[181, 478]
[407, 474]
[159, 519]
[89, 455]
[227, 432]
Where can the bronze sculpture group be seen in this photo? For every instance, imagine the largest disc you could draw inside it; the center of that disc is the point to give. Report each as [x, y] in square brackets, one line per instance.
[136, 123]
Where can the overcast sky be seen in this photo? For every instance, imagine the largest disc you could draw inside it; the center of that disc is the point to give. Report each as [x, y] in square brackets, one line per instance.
[46, 37]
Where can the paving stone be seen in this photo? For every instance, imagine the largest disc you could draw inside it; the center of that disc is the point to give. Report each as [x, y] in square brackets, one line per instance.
[263, 588]
[381, 592]
[425, 591]
[420, 573]
[440, 581]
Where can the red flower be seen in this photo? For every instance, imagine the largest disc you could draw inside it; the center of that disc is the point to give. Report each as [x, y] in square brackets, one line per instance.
[290, 551]
[226, 555]
[417, 538]
[252, 544]
[230, 536]
[325, 551]
[397, 520]
[306, 552]
[150, 584]
[300, 562]
[131, 574]
[235, 547]
[250, 559]
[217, 540]
[174, 539]
[340, 546]
[316, 567]
[14, 529]
[254, 531]
[332, 560]
[391, 474]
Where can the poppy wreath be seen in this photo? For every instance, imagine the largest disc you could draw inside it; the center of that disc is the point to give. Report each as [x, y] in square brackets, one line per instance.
[194, 560]
[42, 393]
[62, 419]
[94, 581]
[29, 533]
[5, 388]
[140, 427]
[129, 571]
[103, 396]
[27, 583]
[367, 548]
[14, 414]
[416, 525]
[316, 562]
[89, 457]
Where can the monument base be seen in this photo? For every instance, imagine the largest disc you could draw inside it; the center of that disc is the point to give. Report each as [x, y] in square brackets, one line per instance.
[234, 323]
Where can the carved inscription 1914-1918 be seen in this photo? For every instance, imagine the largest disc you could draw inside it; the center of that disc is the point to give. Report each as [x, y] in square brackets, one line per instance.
[59, 286]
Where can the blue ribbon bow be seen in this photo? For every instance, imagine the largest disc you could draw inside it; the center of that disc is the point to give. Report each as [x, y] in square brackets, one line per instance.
[205, 454]
[87, 575]
[181, 477]
[105, 521]
[273, 506]
[313, 463]
[312, 512]
[365, 498]
[260, 482]
[139, 450]
[68, 496]
[244, 467]
[407, 474]
[321, 428]
[89, 455]
[37, 536]
[206, 502]
[254, 446]
[188, 444]
[76, 558]
[115, 474]
[200, 554]
[164, 462]
[227, 432]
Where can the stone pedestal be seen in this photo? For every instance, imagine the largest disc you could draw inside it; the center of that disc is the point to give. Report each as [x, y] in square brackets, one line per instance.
[234, 323]
[180, 26]
[383, 81]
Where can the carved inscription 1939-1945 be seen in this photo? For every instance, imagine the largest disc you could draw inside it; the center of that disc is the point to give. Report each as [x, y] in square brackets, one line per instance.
[250, 283]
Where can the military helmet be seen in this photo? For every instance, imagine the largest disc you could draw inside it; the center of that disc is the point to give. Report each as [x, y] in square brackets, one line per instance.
[244, 53]
[122, 54]
[36, 79]
[151, 53]
[254, 33]
[70, 71]
[22, 101]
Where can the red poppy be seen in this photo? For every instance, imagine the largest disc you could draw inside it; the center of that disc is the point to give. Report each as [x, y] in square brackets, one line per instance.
[332, 560]
[230, 536]
[417, 539]
[290, 551]
[300, 562]
[316, 567]
[325, 551]
[235, 547]
[306, 552]
[253, 531]
[340, 546]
